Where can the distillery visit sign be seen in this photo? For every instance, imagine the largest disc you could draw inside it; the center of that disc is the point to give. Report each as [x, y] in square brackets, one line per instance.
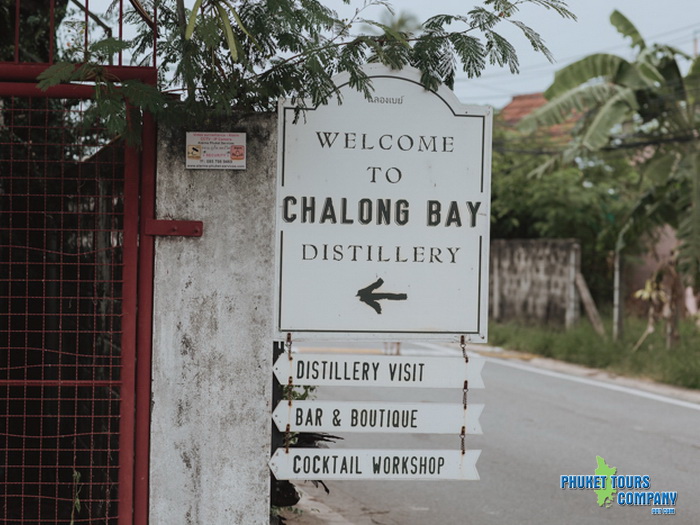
[378, 371]
[383, 207]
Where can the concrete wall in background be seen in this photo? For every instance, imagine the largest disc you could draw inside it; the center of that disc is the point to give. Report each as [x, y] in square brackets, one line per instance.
[212, 346]
[534, 280]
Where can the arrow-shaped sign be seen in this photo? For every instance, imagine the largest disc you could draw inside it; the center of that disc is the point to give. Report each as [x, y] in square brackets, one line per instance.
[377, 417]
[378, 370]
[369, 297]
[314, 463]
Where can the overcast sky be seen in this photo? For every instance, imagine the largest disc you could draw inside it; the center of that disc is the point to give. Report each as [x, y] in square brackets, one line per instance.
[671, 22]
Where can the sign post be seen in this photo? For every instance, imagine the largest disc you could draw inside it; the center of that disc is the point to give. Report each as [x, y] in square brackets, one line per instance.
[383, 210]
[382, 234]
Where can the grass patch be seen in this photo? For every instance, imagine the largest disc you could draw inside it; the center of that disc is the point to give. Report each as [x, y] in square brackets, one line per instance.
[679, 366]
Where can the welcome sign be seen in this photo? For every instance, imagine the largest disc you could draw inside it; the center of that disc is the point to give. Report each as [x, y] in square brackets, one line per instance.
[383, 209]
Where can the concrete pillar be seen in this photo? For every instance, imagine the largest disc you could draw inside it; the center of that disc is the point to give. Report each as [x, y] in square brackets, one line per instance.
[572, 297]
[212, 334]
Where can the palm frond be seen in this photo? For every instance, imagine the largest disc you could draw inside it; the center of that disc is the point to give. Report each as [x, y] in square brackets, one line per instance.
[611, 113]
[627, 29]
[562, 108]
[600, 65]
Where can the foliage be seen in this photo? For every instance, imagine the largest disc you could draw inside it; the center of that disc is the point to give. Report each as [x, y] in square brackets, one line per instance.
[34, 16]
[247, 54]
[647, 110]
[583, 346]
[587, 201]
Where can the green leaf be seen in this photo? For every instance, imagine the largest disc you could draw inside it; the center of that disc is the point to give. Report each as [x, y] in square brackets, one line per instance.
[563, 107]
[692, 82]
[396, 36]
[651, 73]
[535, 39]
[240, 23]
[193, 19]
[501, 52]
[109, 46]
[613, 112]
[143, 95]
[601, 65]
[659, 168]
[559, 6]
[690, 224]
[483, 20]
[228, 30]
[437, 22]
[627, 29]
[56, 74]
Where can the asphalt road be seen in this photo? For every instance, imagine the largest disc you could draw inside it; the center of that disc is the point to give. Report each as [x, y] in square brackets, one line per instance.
[538, 424]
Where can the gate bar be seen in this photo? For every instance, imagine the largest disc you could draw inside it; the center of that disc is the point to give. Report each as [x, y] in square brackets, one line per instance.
[129, 343]
[29, 72]
[144, 332]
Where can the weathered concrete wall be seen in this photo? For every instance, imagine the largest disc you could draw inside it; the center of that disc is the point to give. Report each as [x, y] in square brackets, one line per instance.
[534, 280]
[212, 346]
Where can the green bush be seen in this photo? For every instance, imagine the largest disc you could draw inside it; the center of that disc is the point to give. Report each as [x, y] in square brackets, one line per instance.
[678, 366]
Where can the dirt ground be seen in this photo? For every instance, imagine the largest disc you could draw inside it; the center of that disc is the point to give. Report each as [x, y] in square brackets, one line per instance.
[317, 507]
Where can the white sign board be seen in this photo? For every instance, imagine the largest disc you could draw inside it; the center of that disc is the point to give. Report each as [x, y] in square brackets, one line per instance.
[378, 370]
[345, 464]
[383, 209]
[215, 151]
[379, 417]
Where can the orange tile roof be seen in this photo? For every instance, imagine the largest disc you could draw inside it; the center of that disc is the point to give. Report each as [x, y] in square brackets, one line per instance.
[522, 105]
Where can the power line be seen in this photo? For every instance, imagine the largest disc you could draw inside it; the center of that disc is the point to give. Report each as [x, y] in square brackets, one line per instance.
[527, 72]
[536, 69]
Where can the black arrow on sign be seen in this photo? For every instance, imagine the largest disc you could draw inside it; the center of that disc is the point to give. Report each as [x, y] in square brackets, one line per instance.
[368, 296]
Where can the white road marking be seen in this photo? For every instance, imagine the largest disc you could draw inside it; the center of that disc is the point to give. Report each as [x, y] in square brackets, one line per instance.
[443, 350]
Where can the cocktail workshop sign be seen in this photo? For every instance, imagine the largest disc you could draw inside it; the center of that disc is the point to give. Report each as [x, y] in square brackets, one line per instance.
[383, 209]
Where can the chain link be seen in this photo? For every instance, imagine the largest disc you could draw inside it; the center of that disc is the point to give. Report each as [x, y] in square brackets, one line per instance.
[290, 388]
[463, 346]
[290, 393]
[287, 430]
[288, 346]
[463, 434]
[288, 438]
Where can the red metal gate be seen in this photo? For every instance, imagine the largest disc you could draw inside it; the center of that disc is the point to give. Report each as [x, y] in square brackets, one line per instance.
[69, 209]
[67, 246]
[73, 434]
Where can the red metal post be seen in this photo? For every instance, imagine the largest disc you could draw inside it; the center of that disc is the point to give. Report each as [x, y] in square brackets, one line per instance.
[145, 318]
[129, 345]
[29, 72]
[30, 90]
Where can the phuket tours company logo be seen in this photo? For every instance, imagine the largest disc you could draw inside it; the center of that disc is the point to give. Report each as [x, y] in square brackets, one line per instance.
[612, 488]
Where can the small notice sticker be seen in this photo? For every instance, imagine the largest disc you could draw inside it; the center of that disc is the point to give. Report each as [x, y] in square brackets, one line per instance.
[215, 151]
